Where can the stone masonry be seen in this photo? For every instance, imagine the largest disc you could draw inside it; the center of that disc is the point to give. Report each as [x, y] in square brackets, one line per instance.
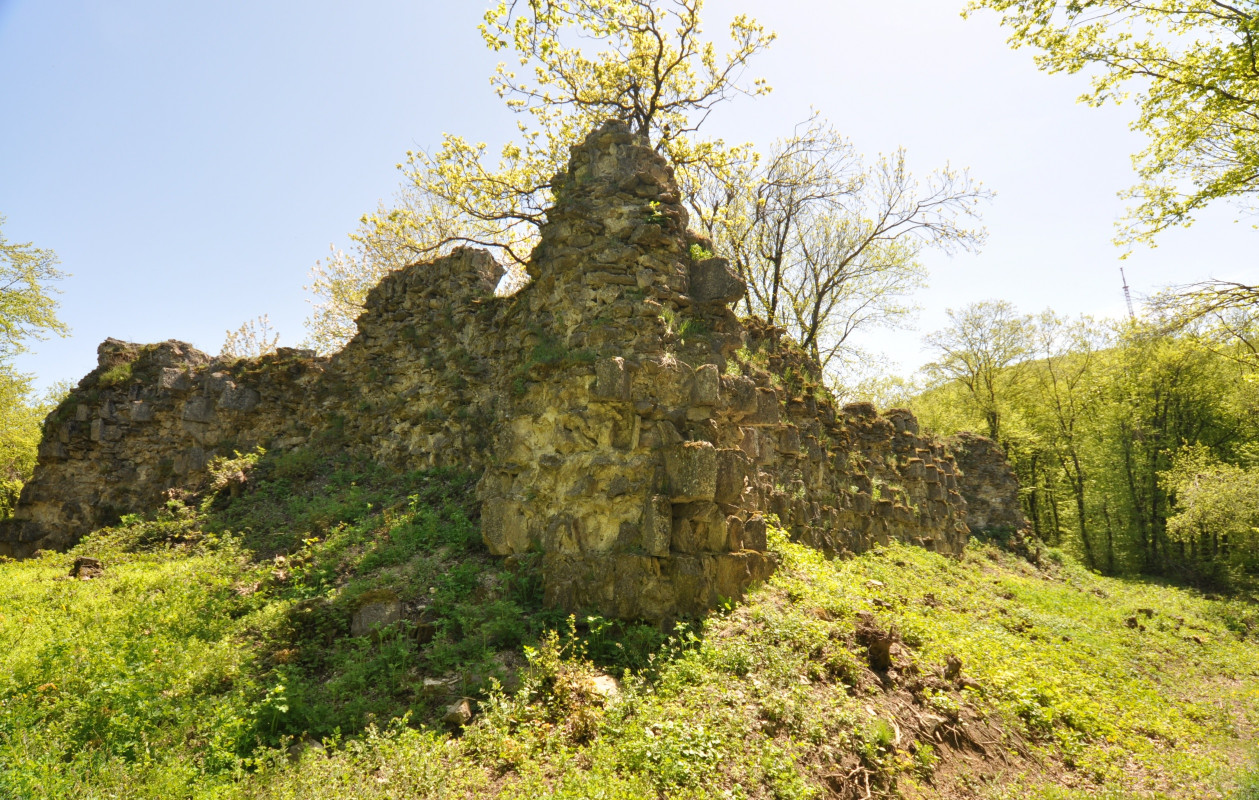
[628, 425]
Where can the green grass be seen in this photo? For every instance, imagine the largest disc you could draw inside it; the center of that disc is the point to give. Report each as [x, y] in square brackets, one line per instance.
[218, 638]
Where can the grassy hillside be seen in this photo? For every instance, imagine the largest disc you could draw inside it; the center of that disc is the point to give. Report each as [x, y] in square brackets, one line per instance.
[213, 658]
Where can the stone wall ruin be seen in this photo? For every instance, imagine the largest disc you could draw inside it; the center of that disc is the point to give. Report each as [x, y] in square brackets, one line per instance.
[627, 424]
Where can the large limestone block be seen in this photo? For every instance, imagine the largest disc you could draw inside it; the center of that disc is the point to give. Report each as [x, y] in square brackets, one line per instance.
[199, 409]
[754, 534]
[768, 412]
[712, 281]
[706, 390]
[612, 380]
[376, 610]
[666, 382]
[699, 528]
[693, 578]
[732, 467]
[692, 471]
[238, 398]
[657, 526]
[504, 527]
[735, 572]
[741, 394]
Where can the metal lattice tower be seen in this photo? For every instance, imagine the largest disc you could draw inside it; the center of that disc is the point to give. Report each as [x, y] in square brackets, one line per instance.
[1127, 295]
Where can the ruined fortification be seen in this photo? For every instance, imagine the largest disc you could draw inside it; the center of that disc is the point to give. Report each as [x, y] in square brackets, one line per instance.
[626, 423]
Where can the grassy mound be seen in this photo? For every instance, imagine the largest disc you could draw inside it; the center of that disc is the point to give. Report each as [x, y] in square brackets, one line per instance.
[214, 658]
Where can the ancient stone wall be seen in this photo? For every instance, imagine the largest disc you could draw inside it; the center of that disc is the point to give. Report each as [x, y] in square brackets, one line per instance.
[147, 419]
[991, 489]
[628, 425]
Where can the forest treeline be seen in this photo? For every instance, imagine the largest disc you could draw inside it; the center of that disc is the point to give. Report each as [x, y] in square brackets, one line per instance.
[1136, 443]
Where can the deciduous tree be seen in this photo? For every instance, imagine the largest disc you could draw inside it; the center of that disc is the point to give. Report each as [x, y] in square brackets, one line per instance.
[983, 349]
[28, 310]
[28, 307]
[828, 243]
[643, 61]
[1192, 69]
[253, 338]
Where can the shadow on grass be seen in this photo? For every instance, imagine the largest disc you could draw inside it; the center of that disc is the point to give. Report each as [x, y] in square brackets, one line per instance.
[330, 533]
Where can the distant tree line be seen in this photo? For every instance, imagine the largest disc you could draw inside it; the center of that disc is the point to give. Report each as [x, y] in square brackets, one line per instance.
[1136, 444]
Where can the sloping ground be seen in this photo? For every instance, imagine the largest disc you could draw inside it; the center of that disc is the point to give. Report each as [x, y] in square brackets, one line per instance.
[213, 658]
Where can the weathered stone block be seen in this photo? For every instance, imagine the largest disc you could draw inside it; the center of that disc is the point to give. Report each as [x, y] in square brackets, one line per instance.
[626, 431]
[657, 526]
[768, 412]
[712, 281]
[706, 390]
[735, 572]
[561, 535]
[174, 379]
[612, 380]
[734, 534]
[789, 441]
[741, 395]
[238, 398]
[693, 578]
[691, 468]
[53, 451]
[732, 469]
[199, 409]
[141, 411]
[698, 528]
[748, 442]
[861, 411]
[754, 534]
[377, 610]
[504, 527]
[189, 461]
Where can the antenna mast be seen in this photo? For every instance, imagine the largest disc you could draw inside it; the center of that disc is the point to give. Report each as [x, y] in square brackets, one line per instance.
[1127, 295]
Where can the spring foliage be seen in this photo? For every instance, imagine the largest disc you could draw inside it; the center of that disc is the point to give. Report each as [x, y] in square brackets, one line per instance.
[28, 310]
[1191, 68]
[1134, 447]
[827, 242]
[650, 65]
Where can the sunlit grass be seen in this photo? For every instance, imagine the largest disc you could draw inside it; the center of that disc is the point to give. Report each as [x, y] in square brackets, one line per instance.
[212, 644]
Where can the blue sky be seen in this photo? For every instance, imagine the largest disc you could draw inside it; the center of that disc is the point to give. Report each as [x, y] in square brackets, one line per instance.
[190, 162]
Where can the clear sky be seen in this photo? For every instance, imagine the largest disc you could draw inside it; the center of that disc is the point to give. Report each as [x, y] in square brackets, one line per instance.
[189, 162]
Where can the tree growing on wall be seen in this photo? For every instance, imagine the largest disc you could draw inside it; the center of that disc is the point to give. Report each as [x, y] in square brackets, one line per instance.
[253, 338]
[650, 66]
[827, 242]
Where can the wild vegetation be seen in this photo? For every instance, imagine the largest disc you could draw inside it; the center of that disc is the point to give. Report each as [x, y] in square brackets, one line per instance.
[210, 650]
[28, 310]
[828, 242]
[1191, 67]
[1136, 446]
[213, 658]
